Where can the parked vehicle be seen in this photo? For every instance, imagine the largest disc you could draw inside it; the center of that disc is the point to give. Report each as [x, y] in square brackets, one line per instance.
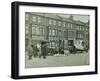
[77, 47]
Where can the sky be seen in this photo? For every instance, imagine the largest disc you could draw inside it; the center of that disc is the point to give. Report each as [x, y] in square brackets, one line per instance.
[83, 18]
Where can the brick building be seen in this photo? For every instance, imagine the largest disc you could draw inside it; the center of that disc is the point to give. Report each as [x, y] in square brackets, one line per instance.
[54, 29]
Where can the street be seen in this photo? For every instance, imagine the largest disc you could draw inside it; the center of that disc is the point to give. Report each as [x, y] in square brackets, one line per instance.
[58, 60]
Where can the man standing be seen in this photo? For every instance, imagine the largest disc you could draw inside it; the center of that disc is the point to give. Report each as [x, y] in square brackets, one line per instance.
[43, 49]
[30, 52]
[35, 51]
[39, 50]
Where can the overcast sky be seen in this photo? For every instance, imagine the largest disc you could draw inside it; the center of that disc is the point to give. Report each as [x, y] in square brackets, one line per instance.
[83, 18]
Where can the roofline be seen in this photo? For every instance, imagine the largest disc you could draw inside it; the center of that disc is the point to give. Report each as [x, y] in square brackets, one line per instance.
[60, 18]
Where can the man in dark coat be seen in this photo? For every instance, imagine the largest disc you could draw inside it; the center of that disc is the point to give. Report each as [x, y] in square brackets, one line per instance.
[30, 51]
[35, 51]
[43, 49]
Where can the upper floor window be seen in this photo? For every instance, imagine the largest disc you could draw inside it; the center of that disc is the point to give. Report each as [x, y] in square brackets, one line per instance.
[34, 29]
[71, 26]
[39, 19]
[50, 21]
[50, 32]
[59, 32]
[26, 17]
[26, 29]
[34, 18]
[68, 25]
[37, 31]
[59, 23]
[41, 30]
[64, 24]
[54, 22]
[83, 28]
[86, 29]
[78, 27]
[53, 32]
[56, 32]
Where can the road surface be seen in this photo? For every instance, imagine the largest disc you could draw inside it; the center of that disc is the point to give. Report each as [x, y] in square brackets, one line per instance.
[58, 60]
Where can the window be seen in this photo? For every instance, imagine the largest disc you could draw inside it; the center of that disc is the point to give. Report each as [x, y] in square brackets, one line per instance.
[39, 19]
[86, 29]
[65, 34]
[26, 17]
[53, 32]
[77, 27]
[54, 22]
[41, 30]
[33, 29]
[64, 24]
[71, 34]
[37, 31]
[26, 29]
[53, 44]
[71, 26]
[59, 23]
[80, 35]
[56, 32]
[50, 21]
[34, 18]
[83, 28]
[68, 25]
[80, 28]
[50, 32]
[60, 33]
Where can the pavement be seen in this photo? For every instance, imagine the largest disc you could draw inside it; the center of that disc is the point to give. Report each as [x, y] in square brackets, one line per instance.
[58, 60]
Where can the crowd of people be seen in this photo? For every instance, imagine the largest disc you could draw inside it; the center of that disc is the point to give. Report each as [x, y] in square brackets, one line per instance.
[39, 50]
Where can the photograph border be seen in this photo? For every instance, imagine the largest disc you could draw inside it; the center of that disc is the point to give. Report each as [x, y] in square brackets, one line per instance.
[15, 39]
